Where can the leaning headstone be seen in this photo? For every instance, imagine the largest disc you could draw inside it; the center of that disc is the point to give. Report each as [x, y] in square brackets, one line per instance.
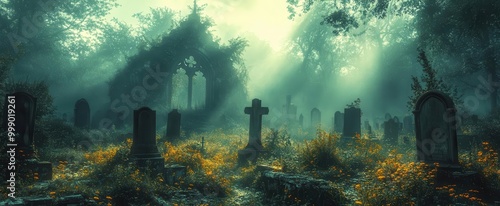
[144, 150]
[254, 145]
[352, 122]
[391, 131]
[174, 125]
[408, 125]
[338, 124]
[435, 129]
[82, 114]
[315, 118]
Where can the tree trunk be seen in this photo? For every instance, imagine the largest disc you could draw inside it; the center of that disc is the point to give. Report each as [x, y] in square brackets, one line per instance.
[491, 69]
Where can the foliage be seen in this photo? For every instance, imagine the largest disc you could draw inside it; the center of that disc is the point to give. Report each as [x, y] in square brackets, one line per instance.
[429, 81]
[321, 152]
[39, 90]
[354, 104]
[395, 182]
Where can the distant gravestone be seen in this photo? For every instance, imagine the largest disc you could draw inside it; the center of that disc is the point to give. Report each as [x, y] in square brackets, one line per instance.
[387, 116]
[435, 129]
[399, 123]
[391, 131]
[24, 120]
[144, 150]
[338, 123]
[82, 114]
[352, 122]
[408, 126]
[289, 110]
[174, 125]
[254, 145]
[301, 120]
[315, 117]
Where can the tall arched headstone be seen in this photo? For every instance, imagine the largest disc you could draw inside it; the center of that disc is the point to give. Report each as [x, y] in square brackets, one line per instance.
[435, 128]
[82, 114]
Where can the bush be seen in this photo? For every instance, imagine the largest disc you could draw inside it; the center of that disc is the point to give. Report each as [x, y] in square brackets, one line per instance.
[320, 153]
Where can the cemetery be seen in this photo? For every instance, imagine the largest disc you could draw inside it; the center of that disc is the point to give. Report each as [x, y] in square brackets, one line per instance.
[177, 110]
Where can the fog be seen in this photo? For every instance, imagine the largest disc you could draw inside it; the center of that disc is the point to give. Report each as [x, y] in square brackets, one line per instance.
[302, 57]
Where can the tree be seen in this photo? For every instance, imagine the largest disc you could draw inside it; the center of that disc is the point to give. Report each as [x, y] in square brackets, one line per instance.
[428, 81]
[465, 31]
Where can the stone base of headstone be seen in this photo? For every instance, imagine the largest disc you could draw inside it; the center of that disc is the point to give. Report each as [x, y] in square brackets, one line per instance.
[153, 164]
[38, 201]
[71, 200]
[248, 155]
[174, 173]
[34, 169]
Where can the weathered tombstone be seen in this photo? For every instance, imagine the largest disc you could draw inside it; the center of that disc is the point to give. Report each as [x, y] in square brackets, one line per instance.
[408, 125]
[338, 124]
[173, 125]
[254, 145]
[352, 122]
[301, 121]
[82, 114]
[435, 129]
[315, 117]
[399, 123]
[25, 108]
[391, 131]
[144, 150]
[367, 125]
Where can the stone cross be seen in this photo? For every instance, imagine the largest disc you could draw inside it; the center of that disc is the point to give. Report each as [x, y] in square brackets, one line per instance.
[255, 112]
[435, 129]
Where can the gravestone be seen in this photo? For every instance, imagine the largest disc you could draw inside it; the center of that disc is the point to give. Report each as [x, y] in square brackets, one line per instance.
[289, 110]
[173, 125]
[391, 131]
[387, 116]
[254, 145]
[435, 129]
[315, 117]
[25, 110]
[82, 114]
[408, 125]
[301, 121]
[399, 123]
[144, 150]
[352, 122]
[338, 124]
[24, 120]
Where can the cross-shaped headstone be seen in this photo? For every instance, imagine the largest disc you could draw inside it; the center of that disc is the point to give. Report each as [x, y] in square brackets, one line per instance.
[255, 112]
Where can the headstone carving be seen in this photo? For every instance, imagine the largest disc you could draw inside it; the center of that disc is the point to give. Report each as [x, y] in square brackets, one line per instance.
[82, 114]
[435, 129]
